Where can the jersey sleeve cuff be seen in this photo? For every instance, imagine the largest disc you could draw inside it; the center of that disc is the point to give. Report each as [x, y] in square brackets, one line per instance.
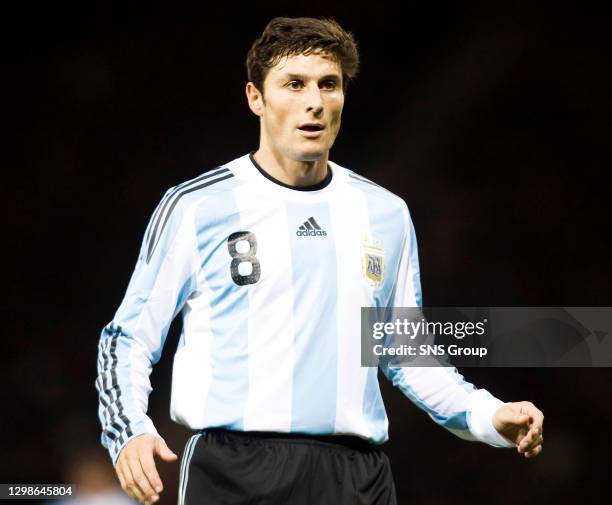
[482, 407]
[116, 446]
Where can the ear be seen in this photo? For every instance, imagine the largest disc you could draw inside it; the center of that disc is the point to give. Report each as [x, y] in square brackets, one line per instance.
[255, 99]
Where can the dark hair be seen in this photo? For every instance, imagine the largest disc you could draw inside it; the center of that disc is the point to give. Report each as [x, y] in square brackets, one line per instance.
[289, 36]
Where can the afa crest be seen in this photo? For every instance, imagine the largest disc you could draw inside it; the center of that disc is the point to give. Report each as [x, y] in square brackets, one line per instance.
[373, 269]
[373, 266]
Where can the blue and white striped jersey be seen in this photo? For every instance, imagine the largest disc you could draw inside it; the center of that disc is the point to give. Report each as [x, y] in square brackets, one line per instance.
[269, 281]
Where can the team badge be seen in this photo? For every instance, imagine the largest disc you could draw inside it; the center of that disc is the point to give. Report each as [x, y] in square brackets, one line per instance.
[373, 263]
[374, 267]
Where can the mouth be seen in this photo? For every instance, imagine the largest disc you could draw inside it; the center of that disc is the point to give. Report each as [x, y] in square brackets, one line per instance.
[311, 127]
[311, 130]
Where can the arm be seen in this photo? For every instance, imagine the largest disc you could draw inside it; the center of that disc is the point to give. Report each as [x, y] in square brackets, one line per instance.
[470, 413]
[162, 281]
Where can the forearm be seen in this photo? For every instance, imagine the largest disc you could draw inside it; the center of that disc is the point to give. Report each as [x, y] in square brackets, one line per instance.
[450, 401]
[123, 387]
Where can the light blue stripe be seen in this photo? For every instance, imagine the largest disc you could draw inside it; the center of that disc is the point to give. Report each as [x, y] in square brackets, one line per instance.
[315, 321]
[373, 407]
[217, 218]
[414, 264]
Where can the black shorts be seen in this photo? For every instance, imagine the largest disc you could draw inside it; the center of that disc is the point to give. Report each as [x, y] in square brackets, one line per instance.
[221, 467]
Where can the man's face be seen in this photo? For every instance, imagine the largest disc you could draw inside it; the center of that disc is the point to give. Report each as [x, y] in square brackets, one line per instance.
[302, 105]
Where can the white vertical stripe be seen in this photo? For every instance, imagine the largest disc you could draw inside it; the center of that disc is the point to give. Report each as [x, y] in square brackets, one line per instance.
[350, 220]
[270, 326]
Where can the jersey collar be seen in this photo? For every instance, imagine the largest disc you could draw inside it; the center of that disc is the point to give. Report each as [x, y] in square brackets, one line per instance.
[315, 187]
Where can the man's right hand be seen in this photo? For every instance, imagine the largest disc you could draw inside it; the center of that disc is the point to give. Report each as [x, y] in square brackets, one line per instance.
[136, 470]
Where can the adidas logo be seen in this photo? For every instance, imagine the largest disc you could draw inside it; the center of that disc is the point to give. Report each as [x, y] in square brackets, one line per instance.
[310, 228]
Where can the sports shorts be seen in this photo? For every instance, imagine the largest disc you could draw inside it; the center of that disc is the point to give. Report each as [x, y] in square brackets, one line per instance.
[221, 467]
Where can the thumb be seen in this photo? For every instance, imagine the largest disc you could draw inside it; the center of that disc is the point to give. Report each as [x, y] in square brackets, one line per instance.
[162, 450]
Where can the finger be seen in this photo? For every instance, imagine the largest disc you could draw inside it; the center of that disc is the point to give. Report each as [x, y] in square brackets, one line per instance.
[535, 429]
[538, 420]
[119, 472]
[164, 452]
[131, 488]
[533, 443]
[529, 441]
[536, 415]
[150, 471]
[539, 441]
[126, 478]
[151, 495]
[141, 482]
[534, 452]
[528, 409]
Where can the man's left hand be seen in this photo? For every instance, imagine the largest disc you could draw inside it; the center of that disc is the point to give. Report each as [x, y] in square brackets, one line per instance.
[523, 424]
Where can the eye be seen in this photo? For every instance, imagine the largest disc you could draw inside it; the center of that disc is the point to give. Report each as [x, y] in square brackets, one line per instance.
[294, 84]
[329, 84]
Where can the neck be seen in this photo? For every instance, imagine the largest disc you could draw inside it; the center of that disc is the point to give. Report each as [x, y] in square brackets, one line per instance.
[292, 172]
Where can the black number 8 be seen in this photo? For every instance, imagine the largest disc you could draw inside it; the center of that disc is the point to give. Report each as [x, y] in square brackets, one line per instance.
[247, 257]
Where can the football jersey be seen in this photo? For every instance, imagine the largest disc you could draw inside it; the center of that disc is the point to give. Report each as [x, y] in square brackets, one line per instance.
[269, 280]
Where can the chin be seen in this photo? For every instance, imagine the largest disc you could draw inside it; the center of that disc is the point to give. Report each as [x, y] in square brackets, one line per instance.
[310, 157]
[311, 154]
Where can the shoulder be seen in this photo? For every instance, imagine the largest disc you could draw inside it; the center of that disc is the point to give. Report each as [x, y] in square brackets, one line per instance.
[370, 188]
[178, 204]
[210, 182]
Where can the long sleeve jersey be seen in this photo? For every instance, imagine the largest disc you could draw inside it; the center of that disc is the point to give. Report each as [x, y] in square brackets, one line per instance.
[269, 280]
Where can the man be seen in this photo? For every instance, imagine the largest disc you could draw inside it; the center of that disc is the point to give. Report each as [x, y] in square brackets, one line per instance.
[267, 258]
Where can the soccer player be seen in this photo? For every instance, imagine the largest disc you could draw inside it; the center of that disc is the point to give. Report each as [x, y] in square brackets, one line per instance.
[268, 259]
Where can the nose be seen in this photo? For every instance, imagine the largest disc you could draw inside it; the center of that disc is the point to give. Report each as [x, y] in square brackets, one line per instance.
[313, 99]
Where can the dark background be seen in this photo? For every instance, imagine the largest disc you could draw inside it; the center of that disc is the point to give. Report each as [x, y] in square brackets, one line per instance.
[493, 124]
